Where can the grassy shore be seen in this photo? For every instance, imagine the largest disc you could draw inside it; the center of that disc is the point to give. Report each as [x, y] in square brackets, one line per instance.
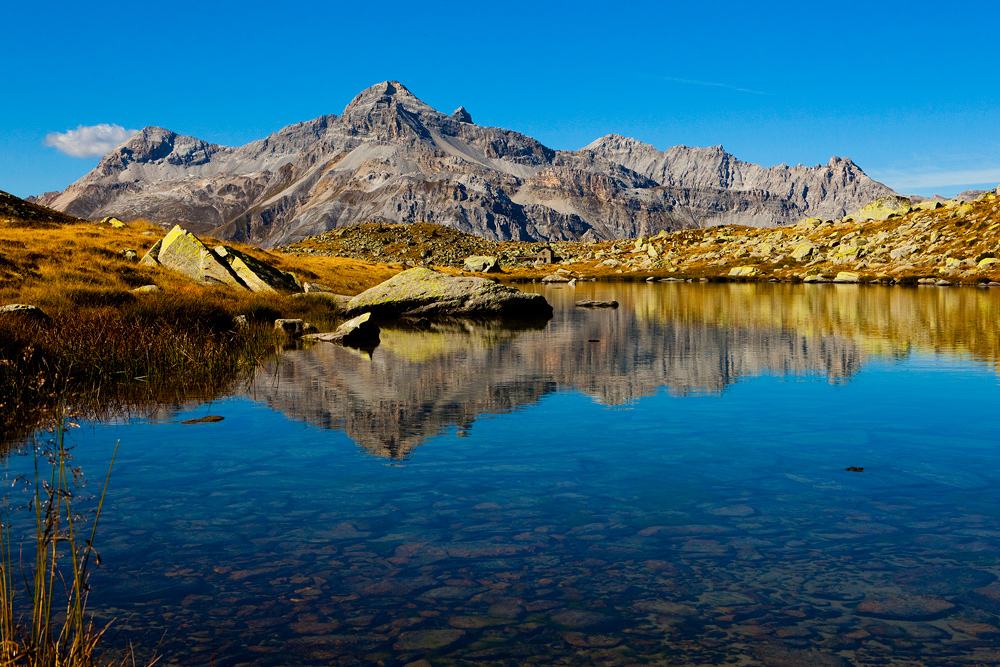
[105, 346]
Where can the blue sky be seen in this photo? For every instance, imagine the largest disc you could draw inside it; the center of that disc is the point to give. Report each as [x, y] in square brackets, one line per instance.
[909, 91]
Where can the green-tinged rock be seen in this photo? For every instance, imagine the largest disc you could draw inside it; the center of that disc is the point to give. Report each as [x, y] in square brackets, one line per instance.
[183, 252]
[744, 271]
[803, 250]
[847, 277]
[928, 206]
[988, 262]
[883, 207]
[114, 222]
[423, 292]
[482, 264]
[258, 276]
[809, 223]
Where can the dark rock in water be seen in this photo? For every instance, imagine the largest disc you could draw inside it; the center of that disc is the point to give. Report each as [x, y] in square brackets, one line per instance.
[25, 310]
[944, 580]
[596, 304]
[854, 469]
[360, 331]
[777, 655]
[423, 292]
[906, 607]
[427, 640]
[207, 419]
[579, 618]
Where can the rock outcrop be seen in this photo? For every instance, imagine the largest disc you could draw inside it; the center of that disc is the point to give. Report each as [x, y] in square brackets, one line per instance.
[422, 292]
[360, 331]
[391, 158]
[183, 252]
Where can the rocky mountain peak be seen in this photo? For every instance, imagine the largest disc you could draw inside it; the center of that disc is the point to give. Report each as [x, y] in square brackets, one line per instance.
[461, 115]
[386, 95]
[390, 157]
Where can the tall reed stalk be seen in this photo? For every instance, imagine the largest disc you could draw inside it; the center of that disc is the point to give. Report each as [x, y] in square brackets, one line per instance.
[49, 626]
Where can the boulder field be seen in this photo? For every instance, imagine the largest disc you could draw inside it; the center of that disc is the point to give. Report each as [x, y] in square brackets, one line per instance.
[888, 240]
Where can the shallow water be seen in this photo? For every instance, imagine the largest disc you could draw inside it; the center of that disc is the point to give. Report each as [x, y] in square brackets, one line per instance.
[660, 484]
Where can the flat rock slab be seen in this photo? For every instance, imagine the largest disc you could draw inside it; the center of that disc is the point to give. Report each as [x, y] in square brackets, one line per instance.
[596, 304]
[422, 292]
[207, 419]
[906, 607]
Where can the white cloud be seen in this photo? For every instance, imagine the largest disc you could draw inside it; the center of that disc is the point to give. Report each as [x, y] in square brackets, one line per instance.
[89, 140]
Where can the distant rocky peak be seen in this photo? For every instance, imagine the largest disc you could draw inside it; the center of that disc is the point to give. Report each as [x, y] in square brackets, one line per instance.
[461, 115]
[616, 142]
[384, 96]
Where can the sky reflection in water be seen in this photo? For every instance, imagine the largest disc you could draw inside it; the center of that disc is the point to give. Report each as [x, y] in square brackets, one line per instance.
[660, 484]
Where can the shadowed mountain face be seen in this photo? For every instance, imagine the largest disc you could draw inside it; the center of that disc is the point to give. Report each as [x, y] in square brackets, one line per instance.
[390, 157]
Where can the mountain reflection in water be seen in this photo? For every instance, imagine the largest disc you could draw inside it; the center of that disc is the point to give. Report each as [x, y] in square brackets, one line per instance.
[683, 338]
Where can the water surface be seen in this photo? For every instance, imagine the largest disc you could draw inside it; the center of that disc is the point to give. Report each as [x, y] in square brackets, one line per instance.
[660, 484]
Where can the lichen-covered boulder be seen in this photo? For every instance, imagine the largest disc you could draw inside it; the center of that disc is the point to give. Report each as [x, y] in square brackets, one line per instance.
[255, 274]
[744, 271]
[803, 250]
[421, 292]
[183, 252]
[883, 207]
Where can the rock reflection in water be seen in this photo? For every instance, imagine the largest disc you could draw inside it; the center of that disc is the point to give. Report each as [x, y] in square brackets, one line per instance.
[420, 382]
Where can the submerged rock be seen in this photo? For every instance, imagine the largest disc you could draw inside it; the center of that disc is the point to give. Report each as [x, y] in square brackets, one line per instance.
[596, 304]
[423, 292]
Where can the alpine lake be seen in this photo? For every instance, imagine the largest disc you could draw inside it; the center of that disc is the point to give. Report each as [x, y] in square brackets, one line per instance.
[710, 474]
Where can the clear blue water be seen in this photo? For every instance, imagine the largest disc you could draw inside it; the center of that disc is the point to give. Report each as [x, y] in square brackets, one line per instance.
[660, 484]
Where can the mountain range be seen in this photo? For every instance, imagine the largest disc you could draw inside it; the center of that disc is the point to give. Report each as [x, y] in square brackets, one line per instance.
[389, 157]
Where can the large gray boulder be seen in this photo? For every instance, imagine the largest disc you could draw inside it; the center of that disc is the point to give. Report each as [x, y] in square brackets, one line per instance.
[183, 252]
[422, 292]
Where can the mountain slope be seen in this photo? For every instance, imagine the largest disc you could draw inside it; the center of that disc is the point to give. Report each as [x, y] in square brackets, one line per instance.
[392, 158]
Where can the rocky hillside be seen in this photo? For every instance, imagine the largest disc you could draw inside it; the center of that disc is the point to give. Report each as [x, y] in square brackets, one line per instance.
[392, 158]
[888, 240]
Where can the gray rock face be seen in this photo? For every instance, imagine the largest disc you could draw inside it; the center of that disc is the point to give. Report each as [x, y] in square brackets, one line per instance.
[784, 193]
[461, 115]
[390, 157]
[421, 292]
[360, 331]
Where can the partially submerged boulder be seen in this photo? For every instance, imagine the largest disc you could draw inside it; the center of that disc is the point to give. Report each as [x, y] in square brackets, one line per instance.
[360, 331]
[590, 303]
[421, 292]
[183, 252]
